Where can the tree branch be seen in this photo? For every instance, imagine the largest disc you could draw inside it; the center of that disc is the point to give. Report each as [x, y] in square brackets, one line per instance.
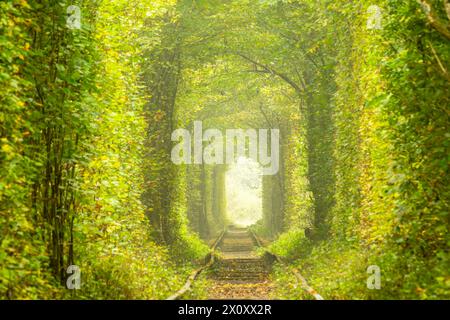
[265, 115]
[271, 70]
[434, 20]
[441, 66]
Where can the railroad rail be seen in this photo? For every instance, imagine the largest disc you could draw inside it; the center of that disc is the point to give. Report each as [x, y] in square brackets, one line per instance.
[210, 259]
[298, 275]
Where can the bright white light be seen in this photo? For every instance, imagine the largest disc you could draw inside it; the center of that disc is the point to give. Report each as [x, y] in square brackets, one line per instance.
[244, 192]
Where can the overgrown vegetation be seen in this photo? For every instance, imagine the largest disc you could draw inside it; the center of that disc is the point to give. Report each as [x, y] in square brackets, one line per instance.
[390, 160]
[73, 128]
[86, 124]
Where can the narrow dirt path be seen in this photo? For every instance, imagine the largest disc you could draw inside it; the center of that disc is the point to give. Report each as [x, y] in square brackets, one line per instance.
[240, 273]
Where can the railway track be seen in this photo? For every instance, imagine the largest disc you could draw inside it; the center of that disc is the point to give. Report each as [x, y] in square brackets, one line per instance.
[238, 272]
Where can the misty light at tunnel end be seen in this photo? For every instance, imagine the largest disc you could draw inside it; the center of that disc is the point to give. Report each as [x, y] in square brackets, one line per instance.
[243, 182]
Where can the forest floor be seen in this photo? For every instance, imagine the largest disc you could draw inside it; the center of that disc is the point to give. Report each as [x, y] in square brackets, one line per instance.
[240, 273]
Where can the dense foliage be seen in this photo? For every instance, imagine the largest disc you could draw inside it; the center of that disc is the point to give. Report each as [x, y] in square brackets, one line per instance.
[73, 128]
[390, 160]
[86, 122]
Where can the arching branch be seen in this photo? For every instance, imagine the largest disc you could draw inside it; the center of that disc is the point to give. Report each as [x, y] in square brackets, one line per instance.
[269, 69]
[433, 18]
